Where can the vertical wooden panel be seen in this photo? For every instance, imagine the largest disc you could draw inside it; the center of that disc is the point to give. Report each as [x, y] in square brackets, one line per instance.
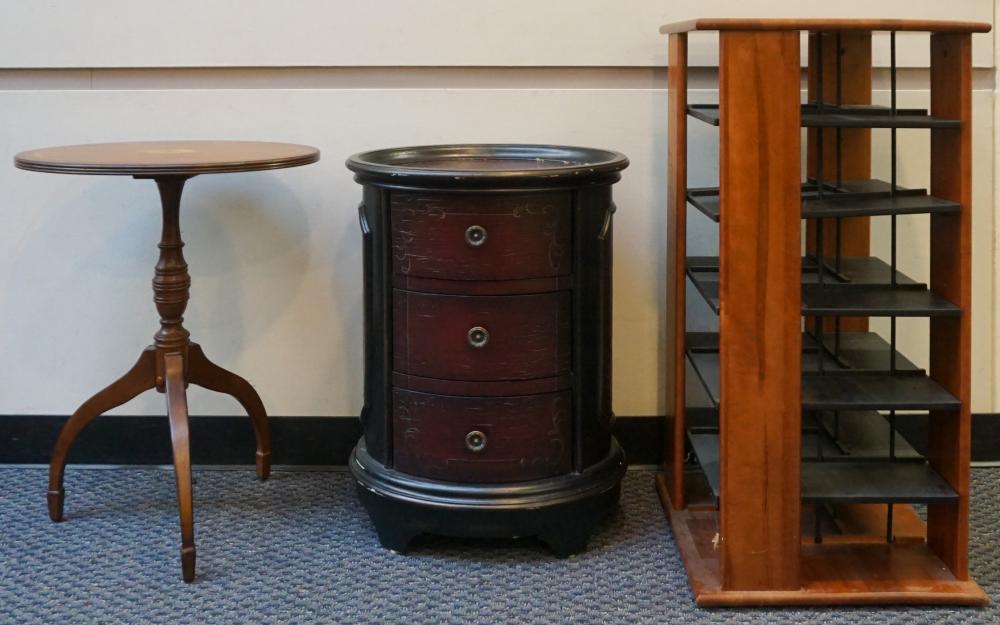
[760, 411]
[855, 143]
[676, 282]
[951, 249]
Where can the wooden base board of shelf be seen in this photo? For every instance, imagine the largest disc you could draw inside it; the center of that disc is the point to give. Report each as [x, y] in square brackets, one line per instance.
[833, 573]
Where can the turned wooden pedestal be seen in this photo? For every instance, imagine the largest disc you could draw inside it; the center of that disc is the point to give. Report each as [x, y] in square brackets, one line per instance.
[173, 361]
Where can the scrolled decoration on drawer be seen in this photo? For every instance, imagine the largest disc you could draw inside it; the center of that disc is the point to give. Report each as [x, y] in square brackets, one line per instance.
[475, 441]
[556, 442]
[411, 432]
[401, 250]
[557, 251]
[478, 337]
[550, 228]
[403, 238]
[422, 206]
[475, 235]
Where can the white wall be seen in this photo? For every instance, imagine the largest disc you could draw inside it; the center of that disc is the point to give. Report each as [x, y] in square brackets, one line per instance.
[240, 33]
[275, 256]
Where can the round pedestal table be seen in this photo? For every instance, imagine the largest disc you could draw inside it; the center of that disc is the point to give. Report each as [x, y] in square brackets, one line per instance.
[172, 361]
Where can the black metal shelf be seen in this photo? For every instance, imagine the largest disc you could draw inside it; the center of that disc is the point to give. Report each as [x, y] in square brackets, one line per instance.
[852, 198]
[861, 288]
[860, 352]
[850, 271]
[850, 116]
[868, 482]
[706, 281]
[842, 479]
[840, 388]
[706, 450]
[703, 342]
[868, 391]
[874, 301]
[706, 368]
[853, 352]
[705, 446]
[697, 342]
[863, 435]
[830, 206]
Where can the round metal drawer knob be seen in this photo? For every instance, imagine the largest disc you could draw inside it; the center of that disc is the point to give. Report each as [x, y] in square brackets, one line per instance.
[475, 441]
[478, 337]
[475, 235]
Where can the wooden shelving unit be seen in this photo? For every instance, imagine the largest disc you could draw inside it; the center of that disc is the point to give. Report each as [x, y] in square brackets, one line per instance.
[803, 490]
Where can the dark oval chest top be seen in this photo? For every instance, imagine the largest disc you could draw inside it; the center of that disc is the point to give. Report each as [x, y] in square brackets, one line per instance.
[166, 158]
[487, 341]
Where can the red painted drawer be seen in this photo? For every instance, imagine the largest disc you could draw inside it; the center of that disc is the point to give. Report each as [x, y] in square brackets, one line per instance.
[481, 439]
[481, 337]
[480, 236]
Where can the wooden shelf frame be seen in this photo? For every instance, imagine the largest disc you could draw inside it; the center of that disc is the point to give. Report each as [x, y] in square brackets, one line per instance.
[749, 546]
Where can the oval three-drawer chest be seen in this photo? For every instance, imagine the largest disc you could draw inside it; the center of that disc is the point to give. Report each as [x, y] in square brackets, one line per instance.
[487, 272]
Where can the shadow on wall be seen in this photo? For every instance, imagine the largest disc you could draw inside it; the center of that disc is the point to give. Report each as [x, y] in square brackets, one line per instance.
[250, 230]
[347, 304]
[656, 240]
[246, 241]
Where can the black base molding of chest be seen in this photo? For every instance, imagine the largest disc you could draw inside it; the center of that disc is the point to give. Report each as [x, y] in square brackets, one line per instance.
[561, 511]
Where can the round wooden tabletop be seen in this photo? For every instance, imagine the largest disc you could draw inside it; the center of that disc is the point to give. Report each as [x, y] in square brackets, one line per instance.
[166, 158]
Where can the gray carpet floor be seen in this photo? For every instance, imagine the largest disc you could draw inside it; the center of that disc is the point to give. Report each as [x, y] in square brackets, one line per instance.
[300, 549]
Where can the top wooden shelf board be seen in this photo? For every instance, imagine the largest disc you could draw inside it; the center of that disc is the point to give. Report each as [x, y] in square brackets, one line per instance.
[825, 25]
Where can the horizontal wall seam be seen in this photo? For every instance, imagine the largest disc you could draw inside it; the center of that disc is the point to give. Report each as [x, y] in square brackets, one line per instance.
[315, 78]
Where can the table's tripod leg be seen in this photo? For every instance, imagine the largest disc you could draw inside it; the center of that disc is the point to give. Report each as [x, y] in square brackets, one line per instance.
[177, 412]
[140, 378]
[203, 372]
